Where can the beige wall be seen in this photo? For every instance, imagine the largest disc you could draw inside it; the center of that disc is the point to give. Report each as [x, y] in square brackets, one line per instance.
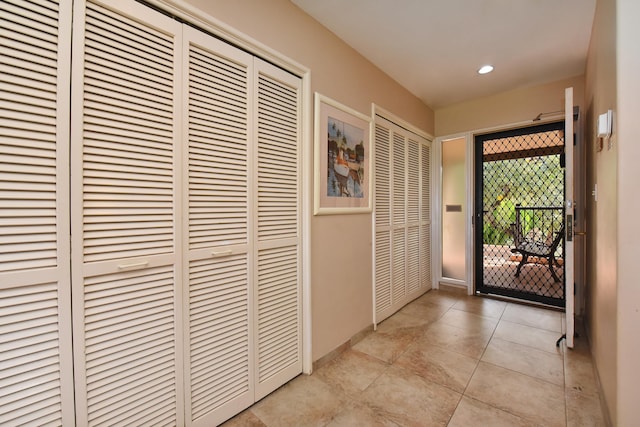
[505, 108]
[628, 130]
[341, 245]
[602, 219]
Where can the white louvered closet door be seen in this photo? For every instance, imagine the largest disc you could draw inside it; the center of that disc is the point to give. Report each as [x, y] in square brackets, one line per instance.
[277, 231]
[36, 373]
[125, 235]
[414, 283]
[399, 218]
[425, 215]
[382, 224]
[219, 354]
[402, 218]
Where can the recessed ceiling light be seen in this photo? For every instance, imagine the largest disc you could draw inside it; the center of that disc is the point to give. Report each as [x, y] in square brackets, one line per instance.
[485, 69]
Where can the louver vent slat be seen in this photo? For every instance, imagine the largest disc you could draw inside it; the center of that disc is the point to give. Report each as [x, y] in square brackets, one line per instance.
[413, 259]
[278, 312]
[28, 152]
[413, 183]
[218, 180]
[129, 345]
[219, 332]
[425, 255]
[399, 289]
[29, 355]
[399, 179]
[382, 168]
[278, 152]
[383, 270]
[426, 183]
[128, 135]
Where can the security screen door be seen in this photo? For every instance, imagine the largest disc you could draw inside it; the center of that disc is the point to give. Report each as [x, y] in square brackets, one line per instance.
[524, 214]
[520, 215]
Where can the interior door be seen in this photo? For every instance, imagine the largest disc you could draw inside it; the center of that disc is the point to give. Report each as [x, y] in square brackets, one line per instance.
[125, 242]
[570, 218]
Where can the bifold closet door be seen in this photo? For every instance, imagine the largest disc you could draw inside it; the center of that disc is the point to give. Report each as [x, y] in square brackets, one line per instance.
[402, 217]
[36, 372]
[243, 321]
[277, 250]
[219, 351]
[124, 215]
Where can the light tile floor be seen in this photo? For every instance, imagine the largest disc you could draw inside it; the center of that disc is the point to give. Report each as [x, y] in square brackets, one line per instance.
[446, 359]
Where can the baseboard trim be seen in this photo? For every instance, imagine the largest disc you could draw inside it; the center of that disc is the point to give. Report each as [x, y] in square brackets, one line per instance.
[355, 339]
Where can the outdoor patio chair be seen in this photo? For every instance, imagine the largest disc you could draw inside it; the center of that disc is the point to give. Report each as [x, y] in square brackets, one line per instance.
[528, 247]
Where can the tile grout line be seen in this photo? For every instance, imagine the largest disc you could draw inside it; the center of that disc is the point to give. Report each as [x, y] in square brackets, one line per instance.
[464, 393]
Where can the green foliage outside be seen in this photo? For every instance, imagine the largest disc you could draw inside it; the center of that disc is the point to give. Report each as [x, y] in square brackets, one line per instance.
[528, 182]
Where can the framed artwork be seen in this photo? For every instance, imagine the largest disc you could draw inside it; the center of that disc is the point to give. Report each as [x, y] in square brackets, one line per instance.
[342, 159]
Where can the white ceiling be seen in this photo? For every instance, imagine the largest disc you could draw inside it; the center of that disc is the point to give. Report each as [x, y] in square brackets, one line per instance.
[435, 47]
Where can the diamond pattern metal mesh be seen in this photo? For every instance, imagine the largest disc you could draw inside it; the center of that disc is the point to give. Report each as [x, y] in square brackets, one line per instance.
[522, 202]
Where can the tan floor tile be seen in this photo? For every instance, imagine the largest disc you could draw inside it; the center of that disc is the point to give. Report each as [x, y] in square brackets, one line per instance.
[425, 313]
[578, 372]
[481, 306]
[529, 336]
[244, 419]
[536, 317]
[386, 347]
[351, 372]
[526, 360]
[358, 414]
[471, 412]
[584, 410]
[405, 323]
[442, 298]
[305, 398]
[469, 321]
[468, 343]
[527, 397]
[436, 364]
[434, 344]
[410, 400]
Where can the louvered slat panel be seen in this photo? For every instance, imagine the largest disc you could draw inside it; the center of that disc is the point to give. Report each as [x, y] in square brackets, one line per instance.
[278, 310]
[425, 211]
[278, 334]
[218, 168]
[383, 271]
[36, 373]
[277, 159]
[399, 179]
[218, 79]
[425, 256]
[399, 264]
[219, 332]
[413, 182]
[130, 345]
[382, 177]
[425, 163]
[405, 180]
[128, 135]
[124, 201]
[28, 94]
[413, 259]
[29, 356]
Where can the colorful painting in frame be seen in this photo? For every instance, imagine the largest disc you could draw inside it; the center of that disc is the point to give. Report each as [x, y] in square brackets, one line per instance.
[342, 159]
